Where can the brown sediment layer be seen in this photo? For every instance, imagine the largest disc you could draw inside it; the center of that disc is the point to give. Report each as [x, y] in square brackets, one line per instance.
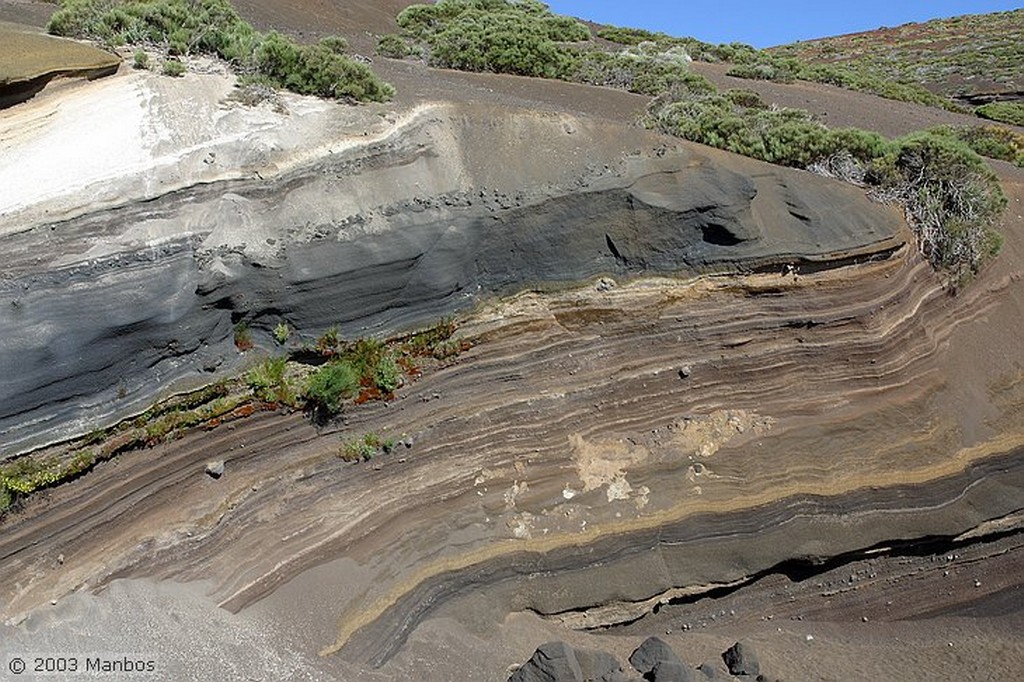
[569, 425]
[556, 576]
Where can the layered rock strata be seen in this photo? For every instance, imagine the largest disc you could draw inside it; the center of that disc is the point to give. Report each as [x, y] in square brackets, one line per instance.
[143, 218]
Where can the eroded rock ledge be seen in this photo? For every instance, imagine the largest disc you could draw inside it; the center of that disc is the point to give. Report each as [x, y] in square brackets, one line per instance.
[125, 271]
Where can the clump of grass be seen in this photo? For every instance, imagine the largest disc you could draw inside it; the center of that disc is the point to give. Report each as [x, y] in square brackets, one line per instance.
[327, 343]
[282, 332]
[365, 448]
[269, 382]
[437, 341]
[173, 68]
[243, 336]
[328, 386]
[26, 475]
[140, 59]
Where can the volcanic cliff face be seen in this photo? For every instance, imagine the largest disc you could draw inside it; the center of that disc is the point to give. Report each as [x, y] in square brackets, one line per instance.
[144, 218]
[658, 427]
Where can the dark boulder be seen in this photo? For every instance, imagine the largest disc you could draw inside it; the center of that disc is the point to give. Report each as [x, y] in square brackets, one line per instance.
[671, 671]
[648, 655]
[551, 662]
[741, 659]
[600, 666]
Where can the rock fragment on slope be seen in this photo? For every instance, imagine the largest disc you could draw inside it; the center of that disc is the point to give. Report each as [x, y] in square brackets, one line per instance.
[657, 661]
[741, 659]
[551, 662]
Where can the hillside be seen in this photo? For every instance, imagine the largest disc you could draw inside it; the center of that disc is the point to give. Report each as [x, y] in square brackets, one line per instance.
[974, 58]
[304, 388]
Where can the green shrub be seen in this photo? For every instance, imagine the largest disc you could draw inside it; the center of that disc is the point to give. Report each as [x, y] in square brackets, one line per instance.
[952, 199]
[173, 68]
[741, 124]
[645, 74]
[268, 382]
[1004, 112]
[628, 36]
[386, 375]
[365, 448]
[335, 44]
[502, 43]
[995, 142]
[746, 98]
[329, 385]
[187, 27]
[395, 46]
[282, 332]
[762, 72]
[522, 38]
[140, 60]
[242, 337]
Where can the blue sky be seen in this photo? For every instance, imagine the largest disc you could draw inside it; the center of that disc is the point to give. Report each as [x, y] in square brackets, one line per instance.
[769, 22]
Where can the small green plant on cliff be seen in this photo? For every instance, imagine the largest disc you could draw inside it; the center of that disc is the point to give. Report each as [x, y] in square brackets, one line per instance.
[365, 448]
[25, 475]
[269, 382]
[213, 27]
[437, 341]
[328, 342]
[387, 376]
[329, 386]
[242, 336]
[282, 332]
